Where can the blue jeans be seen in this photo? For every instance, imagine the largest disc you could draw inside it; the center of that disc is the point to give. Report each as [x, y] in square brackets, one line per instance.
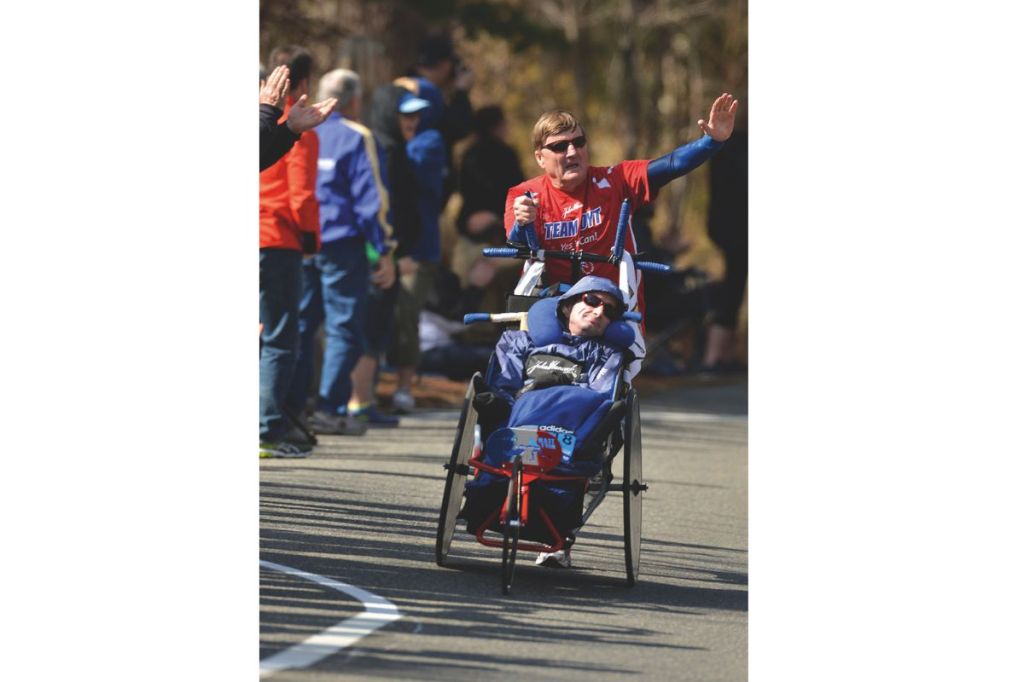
[334, 294]
[280, 283]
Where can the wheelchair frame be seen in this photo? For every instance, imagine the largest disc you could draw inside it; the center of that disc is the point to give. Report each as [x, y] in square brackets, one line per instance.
[512, 514]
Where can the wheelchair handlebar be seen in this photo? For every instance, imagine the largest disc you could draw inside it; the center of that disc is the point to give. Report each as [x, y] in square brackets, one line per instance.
[620, 232]
[651, 266]
[526, 252]
[501, 251]
[470, 318]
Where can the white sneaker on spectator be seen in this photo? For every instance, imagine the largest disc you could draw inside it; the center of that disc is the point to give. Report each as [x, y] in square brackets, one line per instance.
[403, 402]
[559, 559]
[284, 450]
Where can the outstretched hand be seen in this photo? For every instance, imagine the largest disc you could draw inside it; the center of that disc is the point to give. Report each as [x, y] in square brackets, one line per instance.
[722, 118]
[273, 89]
[303, 116]
[384, 276]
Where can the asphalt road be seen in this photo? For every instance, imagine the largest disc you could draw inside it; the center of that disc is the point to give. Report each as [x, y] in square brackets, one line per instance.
[363, 511]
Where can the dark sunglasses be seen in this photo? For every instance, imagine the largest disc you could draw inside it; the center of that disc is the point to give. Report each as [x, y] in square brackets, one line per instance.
[610, 310]
[562, 145]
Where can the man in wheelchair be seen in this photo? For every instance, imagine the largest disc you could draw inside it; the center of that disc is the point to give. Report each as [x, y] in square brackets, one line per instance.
[562, 375]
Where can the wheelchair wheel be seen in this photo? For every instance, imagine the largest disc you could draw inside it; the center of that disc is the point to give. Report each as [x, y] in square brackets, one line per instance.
[510, 539]
[455, 484]
[633, 488]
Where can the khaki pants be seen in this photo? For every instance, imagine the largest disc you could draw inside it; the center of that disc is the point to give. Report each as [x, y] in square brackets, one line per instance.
[413, 290]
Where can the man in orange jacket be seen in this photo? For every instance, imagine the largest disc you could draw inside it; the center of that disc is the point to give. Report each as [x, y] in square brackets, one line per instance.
[289, 228]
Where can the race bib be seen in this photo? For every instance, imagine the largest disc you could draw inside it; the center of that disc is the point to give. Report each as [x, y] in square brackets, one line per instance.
[544, 446]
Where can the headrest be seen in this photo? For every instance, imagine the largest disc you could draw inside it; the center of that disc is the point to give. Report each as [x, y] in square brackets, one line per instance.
[545, 328]
[619, 334]
[542, 322]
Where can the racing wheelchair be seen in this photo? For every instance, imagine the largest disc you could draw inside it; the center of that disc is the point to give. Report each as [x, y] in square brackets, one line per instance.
[530, 485]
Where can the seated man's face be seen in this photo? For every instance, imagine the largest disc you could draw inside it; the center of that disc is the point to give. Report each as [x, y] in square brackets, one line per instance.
[591, 320]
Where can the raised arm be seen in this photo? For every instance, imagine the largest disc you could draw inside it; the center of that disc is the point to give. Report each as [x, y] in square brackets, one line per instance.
[304, 116]
[717, 129]
[722, 118]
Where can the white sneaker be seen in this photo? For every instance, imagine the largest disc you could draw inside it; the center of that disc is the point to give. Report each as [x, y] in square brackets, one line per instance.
[403, 402]
[285, 450]
[559, 559]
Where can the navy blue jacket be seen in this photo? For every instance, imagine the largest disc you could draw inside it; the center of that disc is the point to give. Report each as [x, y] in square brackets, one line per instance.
[600, 361]
[350, 187]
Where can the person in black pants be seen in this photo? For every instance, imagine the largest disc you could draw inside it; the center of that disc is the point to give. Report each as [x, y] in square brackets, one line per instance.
[727, 227]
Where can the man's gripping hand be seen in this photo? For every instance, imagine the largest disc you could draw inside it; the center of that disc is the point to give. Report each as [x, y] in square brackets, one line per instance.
[524, 209]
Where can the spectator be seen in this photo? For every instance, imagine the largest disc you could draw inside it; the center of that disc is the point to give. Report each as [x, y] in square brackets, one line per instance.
[289, 228]
[677, 302]
[380, 321]
[353, 219]
[276, 137]
[426, 153]
[489, 167]
[405, 219]
[385, 120]
[444, 346]
[727, 227]
[439, 70]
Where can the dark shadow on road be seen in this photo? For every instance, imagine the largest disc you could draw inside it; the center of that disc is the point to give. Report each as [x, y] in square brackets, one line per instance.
[465, 596]
[723, 399]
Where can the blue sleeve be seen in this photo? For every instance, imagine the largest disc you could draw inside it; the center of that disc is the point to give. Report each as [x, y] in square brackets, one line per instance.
[681, 161]
[517, 235]
[369, 195]
[511, 356]
[429, 159]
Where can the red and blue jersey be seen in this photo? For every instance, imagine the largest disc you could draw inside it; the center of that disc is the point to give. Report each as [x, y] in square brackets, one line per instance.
[586, 218]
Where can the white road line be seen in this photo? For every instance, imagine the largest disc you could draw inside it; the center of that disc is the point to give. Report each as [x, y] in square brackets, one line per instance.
[379, 612]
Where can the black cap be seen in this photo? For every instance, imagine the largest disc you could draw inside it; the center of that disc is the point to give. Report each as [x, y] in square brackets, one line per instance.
[435, 49]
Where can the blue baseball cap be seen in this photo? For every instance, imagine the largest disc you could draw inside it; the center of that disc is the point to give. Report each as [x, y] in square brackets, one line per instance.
[410, 104]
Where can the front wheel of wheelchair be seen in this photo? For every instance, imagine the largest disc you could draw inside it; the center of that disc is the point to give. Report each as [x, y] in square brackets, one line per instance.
[510, 535]
[633, 488]
[455, 483]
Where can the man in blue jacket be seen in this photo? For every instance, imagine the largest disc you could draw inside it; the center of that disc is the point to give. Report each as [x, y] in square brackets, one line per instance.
[575, 351]
[581, 356]
[353, 220]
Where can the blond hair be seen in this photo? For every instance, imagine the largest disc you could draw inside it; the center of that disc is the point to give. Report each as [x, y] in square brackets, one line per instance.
[553, 123]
